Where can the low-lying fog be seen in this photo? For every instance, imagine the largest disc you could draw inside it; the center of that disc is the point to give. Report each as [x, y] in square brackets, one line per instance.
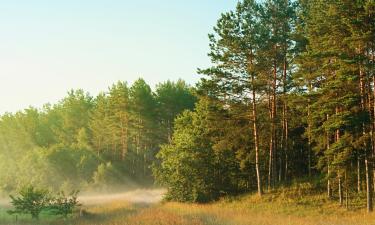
[4, 202]
[148, 196]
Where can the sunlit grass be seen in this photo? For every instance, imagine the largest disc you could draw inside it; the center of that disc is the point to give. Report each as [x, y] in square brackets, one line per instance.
[287, 206]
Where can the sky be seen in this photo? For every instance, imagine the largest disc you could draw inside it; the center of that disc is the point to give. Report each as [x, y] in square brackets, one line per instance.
[48, 47]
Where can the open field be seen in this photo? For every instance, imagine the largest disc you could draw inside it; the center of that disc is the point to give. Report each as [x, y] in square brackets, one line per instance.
[285, 207]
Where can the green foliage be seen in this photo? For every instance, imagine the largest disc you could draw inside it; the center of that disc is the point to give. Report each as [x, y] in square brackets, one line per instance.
[63, 205]
[173, 98]
[105, 175]
[191, 168]
[70, 144]
[293, 82]
[185, 167]
[30, 201]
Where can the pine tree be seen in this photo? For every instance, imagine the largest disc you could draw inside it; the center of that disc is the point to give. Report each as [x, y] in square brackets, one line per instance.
[172, 98]
[234, 50]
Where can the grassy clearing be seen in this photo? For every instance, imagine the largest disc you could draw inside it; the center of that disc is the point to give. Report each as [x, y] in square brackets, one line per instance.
[270, 210]
[288, 206]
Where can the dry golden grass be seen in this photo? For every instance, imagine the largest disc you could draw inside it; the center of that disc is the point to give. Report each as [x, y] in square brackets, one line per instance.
[285, 207]
[246, 215]
[159, 216]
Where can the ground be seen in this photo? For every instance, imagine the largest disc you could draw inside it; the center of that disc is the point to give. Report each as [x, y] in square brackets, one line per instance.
[288, 206]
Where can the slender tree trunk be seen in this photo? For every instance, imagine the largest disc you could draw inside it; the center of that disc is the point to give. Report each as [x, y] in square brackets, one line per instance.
[274, 102]
[124, 137]
[255, 133]
[346, 191]
[373, 123]
[281, 154]
[340, 191]
[309, 130]
[370, 109]
[286, 167]
[256, 144]
[272, 153]
[369, 190]
[329, 189]
[270, 160]
[363, 108]
[368, 167]
[114, 147]
[285, 113]
[339, 176]
[359, 181]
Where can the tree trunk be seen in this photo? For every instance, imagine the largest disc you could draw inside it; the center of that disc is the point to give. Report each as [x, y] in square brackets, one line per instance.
[373, 124]
[340, 191]
[369, 190]
[256, 144]
[368, 167]
[309, 131]
[286, 167]
[285, 114]
[337, 140]
[255, 133]
[329, 192]
[274, 102]
[346, 191]
[124, 137]
[270, 161]
[359, 181]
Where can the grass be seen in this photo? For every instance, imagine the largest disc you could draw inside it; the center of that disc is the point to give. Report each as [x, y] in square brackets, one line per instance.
[296, 205]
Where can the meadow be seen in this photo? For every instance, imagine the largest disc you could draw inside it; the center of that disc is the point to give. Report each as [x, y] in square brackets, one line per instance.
[298, 205]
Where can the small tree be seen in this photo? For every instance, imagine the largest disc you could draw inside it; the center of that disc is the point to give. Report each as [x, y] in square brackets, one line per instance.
[30, 201]
[64, 205]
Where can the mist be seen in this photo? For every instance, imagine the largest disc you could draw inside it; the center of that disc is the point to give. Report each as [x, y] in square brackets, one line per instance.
[146, 196]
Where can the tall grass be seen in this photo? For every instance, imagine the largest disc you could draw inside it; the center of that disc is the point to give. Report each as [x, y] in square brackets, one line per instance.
[296, 205]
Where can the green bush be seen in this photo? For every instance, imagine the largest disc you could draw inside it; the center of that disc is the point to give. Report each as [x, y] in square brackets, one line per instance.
[64, 205]
[30, 201]
[33, 201]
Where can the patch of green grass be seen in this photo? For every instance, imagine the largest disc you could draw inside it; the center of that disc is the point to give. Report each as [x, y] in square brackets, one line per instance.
[7, 219]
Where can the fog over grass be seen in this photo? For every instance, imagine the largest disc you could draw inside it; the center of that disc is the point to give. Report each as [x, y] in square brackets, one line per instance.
[148, 196]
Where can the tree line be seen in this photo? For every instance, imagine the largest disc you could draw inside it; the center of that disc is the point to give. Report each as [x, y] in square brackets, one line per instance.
[85, 142]
[290, 94]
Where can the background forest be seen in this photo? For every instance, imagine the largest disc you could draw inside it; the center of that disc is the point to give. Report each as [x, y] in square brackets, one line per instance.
[91, 143]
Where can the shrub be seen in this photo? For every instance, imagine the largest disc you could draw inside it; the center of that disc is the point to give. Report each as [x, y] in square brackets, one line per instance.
[64, 205]
[30, 201]
[33, 201]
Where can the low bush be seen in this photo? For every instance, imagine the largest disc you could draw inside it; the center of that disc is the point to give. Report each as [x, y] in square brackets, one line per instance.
[64, 205]
[33, 201]
[30, 201]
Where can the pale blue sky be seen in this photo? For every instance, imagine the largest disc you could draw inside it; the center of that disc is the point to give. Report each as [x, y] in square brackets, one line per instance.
[48, 46]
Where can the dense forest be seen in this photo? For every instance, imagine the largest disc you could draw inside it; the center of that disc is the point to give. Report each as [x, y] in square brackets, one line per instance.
[290, 95]
[89, 143]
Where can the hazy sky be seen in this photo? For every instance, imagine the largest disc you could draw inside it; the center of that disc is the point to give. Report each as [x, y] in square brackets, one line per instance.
[48, 46]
